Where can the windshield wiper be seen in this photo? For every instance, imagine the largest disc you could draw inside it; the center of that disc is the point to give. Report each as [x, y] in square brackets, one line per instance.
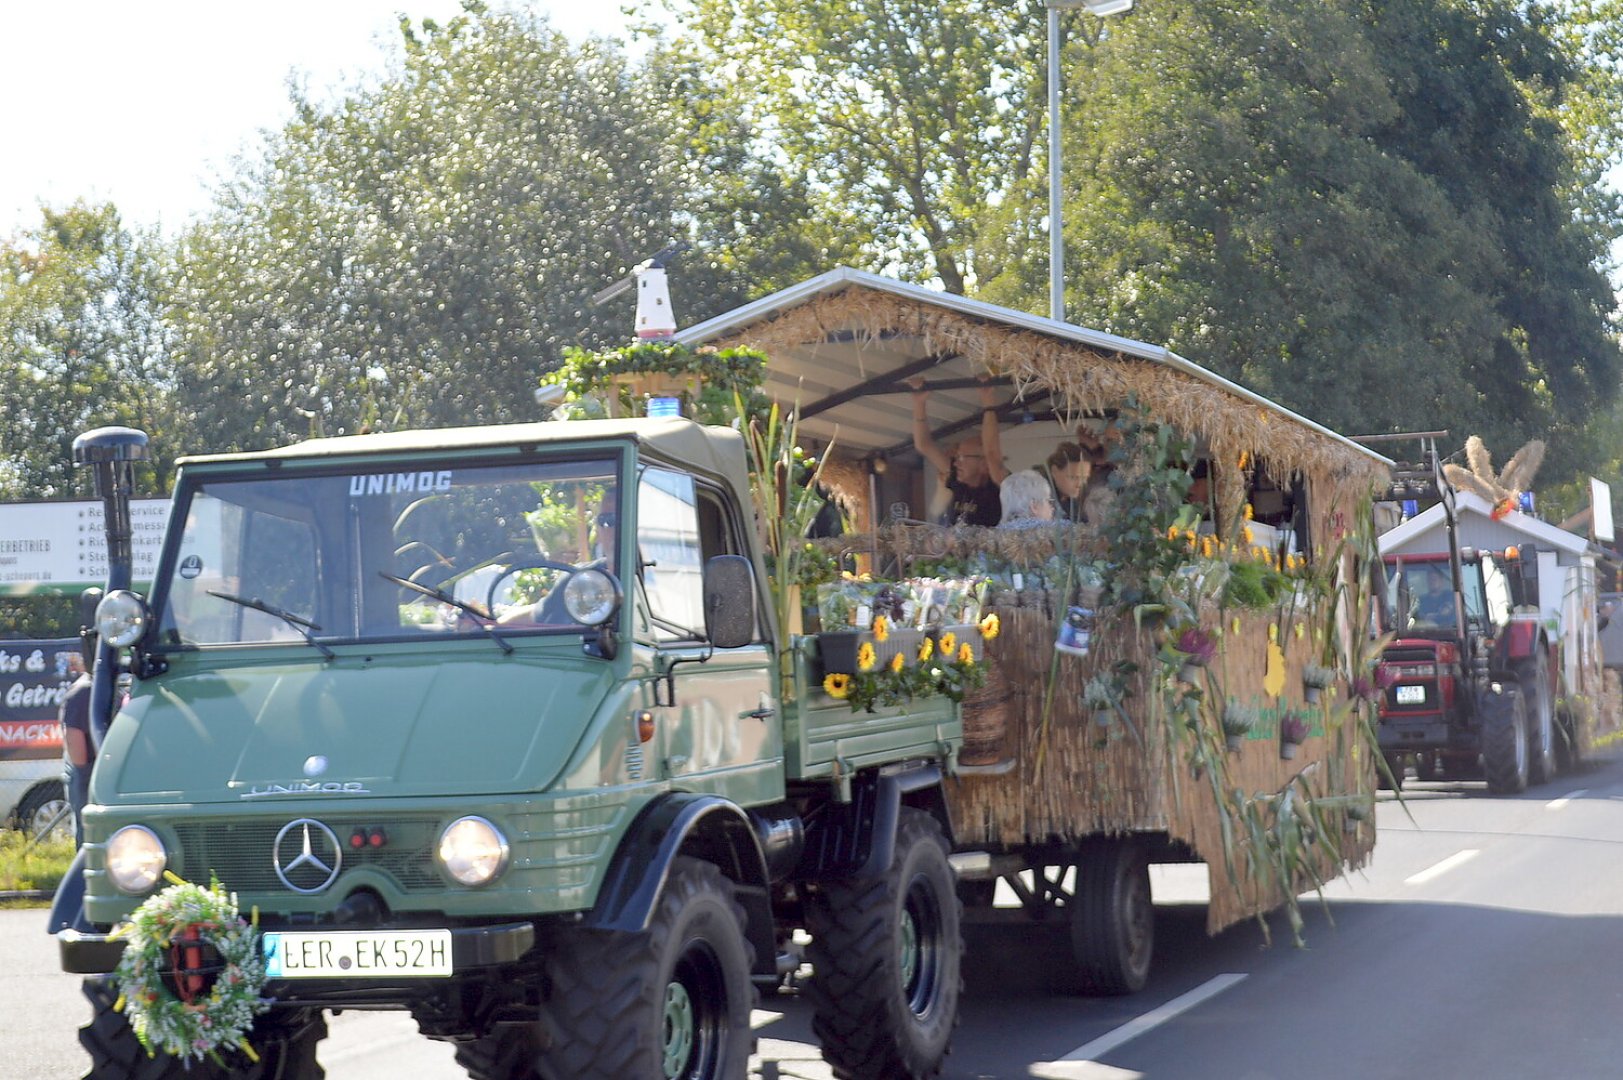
[486, 623]
[302, 625]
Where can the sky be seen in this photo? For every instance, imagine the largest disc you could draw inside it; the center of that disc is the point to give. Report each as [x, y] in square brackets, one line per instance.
[144, 103]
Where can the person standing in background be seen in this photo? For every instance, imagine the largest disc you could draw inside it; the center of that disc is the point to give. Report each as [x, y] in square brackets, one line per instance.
[78, 751]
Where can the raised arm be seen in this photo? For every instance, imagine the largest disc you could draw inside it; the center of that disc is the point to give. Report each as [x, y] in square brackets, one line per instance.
[923, 442]
[991, 436]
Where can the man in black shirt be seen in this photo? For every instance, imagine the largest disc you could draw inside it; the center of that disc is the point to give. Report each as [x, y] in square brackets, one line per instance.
[971, 474]
[78, 750]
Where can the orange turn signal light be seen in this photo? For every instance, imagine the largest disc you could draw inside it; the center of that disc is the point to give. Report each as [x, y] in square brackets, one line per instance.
[645, 726]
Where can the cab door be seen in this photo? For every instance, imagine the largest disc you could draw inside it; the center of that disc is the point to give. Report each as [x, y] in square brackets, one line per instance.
[717, 726]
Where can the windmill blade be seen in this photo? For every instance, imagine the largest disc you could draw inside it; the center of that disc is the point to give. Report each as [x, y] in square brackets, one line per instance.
[1476, 456]
[1466, 480]
[619, 288]
[1518, 474]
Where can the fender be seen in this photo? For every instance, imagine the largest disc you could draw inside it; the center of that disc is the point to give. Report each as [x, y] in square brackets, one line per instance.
[858, 839]
[1520, 640]
[687, 823]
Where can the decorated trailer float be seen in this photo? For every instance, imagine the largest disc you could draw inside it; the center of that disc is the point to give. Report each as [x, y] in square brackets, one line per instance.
[1186, 678]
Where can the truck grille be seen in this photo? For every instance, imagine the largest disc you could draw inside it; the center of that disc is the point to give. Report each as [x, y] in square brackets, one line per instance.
[239, 853]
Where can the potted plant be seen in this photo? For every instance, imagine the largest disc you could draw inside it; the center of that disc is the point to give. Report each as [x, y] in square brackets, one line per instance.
[1315, 680]
[1195, 648]
[1238, 720]
[1292, 731]
[1099, 698]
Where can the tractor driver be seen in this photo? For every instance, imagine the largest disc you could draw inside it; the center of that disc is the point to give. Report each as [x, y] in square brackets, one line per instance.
[1431, 598]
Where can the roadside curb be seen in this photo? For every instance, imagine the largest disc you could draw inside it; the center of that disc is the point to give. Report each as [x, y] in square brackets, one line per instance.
[26, 894]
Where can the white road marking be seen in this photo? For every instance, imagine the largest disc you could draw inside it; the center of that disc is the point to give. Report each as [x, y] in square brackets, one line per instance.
[1459, 858]
[1079, 1063]
[1559, 804]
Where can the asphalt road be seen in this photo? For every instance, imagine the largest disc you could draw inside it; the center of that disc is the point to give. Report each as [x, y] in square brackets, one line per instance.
[1485, 940]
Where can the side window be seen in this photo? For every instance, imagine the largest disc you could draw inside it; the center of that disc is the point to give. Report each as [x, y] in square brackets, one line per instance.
[670, 558]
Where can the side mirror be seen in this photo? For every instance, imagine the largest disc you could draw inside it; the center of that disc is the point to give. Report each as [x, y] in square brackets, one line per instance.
[729, 601]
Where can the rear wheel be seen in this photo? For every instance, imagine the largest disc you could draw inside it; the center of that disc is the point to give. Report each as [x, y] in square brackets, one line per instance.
[886, 956]
[1397, 766]
[672, 1002]
[1113, 916]
[1425, 767]
[1505, 751]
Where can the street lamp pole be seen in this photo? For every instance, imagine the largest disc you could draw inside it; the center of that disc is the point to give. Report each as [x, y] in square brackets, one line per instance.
[1056, 234]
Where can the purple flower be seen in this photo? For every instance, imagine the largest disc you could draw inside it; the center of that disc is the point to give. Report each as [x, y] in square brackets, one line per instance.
[1197, 646]
[1364, 687]
[1292, 728]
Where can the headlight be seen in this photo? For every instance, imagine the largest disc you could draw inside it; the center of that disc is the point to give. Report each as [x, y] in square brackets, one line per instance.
[473, 851]
[121, 618]
[590, 597]
[135, 858]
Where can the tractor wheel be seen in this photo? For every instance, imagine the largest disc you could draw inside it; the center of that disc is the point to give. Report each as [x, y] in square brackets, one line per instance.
[507, 1053]
[1112, 916]
[1425, 766]
[1505, 750]
[886, 954]
[672, 1002]
[1533, 675]
[286, 1046]
[1398, 765]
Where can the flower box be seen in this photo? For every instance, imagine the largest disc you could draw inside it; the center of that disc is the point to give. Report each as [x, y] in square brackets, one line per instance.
[838, 649]
[961, 634]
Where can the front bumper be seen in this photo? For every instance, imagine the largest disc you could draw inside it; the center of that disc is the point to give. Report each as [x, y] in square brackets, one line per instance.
[472, 948]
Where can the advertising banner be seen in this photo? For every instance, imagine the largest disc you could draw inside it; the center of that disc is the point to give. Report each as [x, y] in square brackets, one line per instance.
[61, 547]
[33, 677]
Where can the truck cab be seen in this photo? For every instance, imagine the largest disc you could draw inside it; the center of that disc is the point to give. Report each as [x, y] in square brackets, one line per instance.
[477, 720]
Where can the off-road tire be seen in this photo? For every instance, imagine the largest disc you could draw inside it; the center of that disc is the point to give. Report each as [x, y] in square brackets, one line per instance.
[627, 1005]
[507, 1053]
[1533, 676]
[886, 957]
[1112, 916]
[1506, 755]
[286, 1046]
[1398, 764]
[40, 807]
[1425, 767]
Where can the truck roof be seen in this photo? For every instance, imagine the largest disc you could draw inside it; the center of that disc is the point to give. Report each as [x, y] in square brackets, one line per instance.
[716, 451]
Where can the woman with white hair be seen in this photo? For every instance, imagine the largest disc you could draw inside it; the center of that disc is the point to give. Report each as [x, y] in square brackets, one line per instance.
[1028, 501]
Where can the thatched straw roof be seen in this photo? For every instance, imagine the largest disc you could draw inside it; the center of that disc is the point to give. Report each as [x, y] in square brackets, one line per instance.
[841, 344]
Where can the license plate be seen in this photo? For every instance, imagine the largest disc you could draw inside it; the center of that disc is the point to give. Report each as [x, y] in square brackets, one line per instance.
[356, 954]
[1411, 695]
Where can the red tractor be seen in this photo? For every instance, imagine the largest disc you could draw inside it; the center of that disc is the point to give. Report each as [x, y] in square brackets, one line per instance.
[1469, 680]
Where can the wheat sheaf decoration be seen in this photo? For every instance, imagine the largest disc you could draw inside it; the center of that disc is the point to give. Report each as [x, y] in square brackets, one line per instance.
[1503, 489]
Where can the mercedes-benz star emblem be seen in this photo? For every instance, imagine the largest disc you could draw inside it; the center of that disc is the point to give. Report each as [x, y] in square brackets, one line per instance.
[310, 859]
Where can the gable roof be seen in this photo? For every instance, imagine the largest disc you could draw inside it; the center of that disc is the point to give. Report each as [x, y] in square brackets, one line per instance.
[1468, 503]
[843, 341]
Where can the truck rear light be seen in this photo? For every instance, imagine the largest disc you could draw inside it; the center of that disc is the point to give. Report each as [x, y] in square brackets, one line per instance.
[1412, 671]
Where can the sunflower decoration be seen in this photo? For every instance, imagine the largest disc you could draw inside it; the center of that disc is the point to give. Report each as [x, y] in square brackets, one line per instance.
[1503, 489]
[881, 629]
[837, 686]
[175, 1002]
[949, 643]
[990, 626]
[927, 648]
[897, 662]
[966, 654]
[866, 657]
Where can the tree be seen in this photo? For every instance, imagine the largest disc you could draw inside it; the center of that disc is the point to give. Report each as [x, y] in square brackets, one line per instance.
[913, 120]
[419, 252]
[82, 345]
[1365, 209]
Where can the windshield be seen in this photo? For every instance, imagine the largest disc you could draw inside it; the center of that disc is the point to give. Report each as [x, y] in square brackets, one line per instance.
[386, 554]
[1431, 595]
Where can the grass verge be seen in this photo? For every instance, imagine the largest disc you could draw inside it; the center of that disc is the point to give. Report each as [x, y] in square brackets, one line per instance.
[26, 866]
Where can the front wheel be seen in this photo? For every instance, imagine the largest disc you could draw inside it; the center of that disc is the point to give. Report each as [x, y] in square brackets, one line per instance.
[1505, 754]
[886, 955]
[285, 1045]
[1534, 678]
[1113, 917]
[672, 1002]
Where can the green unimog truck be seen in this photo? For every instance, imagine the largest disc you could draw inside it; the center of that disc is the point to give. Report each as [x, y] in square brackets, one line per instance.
[494, 725]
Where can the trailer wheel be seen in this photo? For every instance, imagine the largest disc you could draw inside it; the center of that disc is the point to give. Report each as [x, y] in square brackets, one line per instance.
[672, 1002]
[1505, 753]
[1398, 765]
[286, 1046]
[1425, 766]
[1113, 916]
[886, 955]
[1569, 750]
[1533, 676]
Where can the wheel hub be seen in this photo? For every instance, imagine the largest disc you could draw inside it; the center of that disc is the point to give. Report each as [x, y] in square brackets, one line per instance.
[679, 1024]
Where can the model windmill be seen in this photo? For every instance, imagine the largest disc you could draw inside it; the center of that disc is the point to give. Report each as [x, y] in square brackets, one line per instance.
[1503, 490]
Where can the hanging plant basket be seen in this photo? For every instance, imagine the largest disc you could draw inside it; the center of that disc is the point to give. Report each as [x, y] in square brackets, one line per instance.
[1287, 750]
[1311, 694]
[1190, 673]
[1235, 743]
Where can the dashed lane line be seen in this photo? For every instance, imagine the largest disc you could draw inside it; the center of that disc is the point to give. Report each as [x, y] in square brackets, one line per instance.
[1459, 858]
[1079, 1063]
